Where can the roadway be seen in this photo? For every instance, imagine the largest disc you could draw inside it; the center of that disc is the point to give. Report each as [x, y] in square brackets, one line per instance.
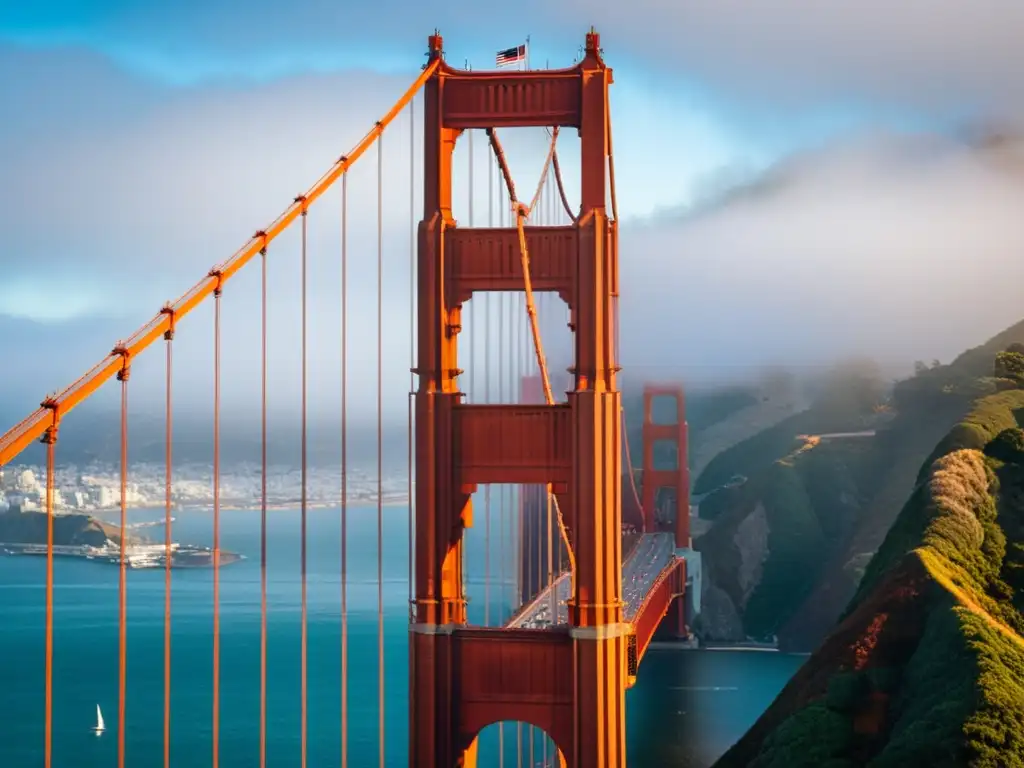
[652, 554]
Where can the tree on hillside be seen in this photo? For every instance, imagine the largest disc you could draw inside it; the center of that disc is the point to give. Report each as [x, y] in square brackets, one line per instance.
[1009, 365]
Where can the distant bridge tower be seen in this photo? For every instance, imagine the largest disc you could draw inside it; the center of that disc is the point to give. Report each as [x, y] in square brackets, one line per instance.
[676, 479]
[569, 681]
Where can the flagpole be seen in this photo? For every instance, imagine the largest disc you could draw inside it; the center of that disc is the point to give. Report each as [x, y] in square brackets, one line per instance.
[527, 52]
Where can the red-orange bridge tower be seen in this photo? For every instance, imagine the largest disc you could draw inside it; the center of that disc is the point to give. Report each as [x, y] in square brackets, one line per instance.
[570, 681]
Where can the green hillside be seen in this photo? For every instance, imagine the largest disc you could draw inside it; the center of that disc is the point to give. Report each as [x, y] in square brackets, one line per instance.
[840, 496]
[927, 666]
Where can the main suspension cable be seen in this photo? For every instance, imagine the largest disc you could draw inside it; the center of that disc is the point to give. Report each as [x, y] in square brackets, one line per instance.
[561, 187]
[629, 466]
[611, 158]
[21, 435]
[344, 470]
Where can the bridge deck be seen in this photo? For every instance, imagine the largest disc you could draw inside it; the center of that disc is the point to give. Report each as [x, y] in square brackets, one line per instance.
[653, 554]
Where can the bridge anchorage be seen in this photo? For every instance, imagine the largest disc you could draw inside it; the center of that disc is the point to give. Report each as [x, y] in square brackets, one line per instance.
[564, 667]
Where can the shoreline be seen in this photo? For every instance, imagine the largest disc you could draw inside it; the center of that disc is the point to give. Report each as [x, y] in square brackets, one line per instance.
[184, 556]
[740, 645]
[230, 506]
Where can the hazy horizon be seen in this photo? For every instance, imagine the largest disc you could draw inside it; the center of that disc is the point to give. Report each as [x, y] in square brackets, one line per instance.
[772, 214]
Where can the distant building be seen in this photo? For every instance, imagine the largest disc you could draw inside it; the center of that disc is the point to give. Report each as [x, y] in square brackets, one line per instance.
[26, 482]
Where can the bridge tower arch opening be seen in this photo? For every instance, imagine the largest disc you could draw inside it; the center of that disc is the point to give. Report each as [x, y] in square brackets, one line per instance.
[517, 742]
[569, 680]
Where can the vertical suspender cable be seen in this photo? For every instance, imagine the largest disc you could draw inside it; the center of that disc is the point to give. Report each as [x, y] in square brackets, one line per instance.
[487, 399]
[520, 489]
[514, 492]
[501, 491]
[263, 508]
[304, 503]
[344, 470]
[549, 526]
[472, 304]
[546, 546]
[517, 511]
[534, 560]
[410, 528]
[216, 524]
[472, 394]
[412, 338]
[409, 397]
[552, 542]
[122, 581]
[380, 455]
[510, 367]
[50, 439]
[502, 397]
[168, 443]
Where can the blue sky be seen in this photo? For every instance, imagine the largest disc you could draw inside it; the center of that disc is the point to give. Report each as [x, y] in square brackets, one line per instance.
[142, 142]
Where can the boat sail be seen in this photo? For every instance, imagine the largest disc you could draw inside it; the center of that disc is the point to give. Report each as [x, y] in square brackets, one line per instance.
[99, 727]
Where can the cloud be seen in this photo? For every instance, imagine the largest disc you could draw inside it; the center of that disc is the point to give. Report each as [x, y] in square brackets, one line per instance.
[785, 55]
[120, 190]
[898, 247]
[110, 210]
[779, 56]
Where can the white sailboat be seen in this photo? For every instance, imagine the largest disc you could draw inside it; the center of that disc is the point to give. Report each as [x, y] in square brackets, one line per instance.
[99, 727]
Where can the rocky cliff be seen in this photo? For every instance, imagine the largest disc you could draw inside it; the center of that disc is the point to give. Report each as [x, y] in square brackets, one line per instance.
[791, 497]
[927, 663]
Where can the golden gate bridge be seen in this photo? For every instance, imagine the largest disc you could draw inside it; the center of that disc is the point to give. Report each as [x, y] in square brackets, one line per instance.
[591, 592]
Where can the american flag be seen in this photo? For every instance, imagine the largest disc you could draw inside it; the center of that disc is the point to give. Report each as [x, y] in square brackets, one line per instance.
[510, 56]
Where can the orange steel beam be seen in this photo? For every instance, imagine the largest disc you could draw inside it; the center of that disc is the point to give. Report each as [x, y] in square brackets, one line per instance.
[478, 260]
[16, 439]
[670, 585]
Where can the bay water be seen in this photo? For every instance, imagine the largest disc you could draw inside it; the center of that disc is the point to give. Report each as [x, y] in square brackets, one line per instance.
[685, 710]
